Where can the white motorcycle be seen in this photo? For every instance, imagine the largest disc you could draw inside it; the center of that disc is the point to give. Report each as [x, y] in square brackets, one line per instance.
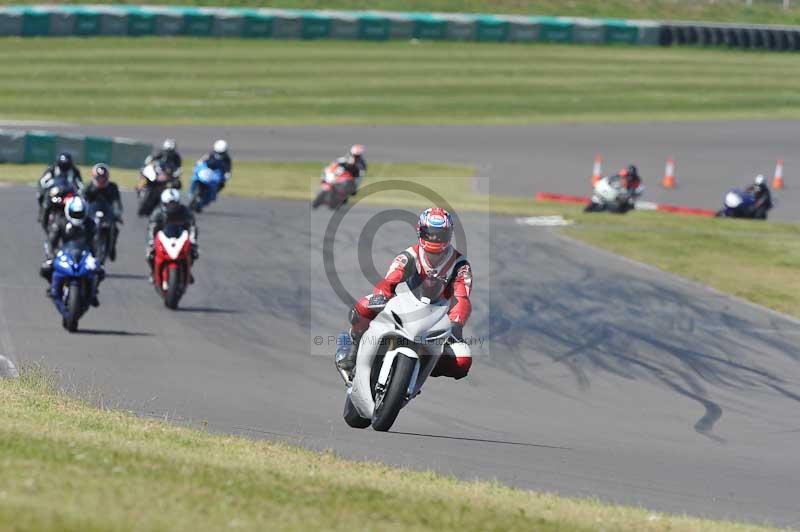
[609, 194]
[395, 357]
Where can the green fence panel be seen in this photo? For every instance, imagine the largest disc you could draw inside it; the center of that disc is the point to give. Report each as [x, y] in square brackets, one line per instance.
[620, 31]
[72, 144]
[315, 26]
[650, 33]
[141, 22]
[88, 22]
[556, 30]
[113, 21]
[40, 147]
[35, 22]
[12, 147]
[460, 27]
[287, 25]
[374, 28]
[523, 29]
[168, 21]
[228, 23]
[257, 25]
[62, 23]
[10, 23]
[400, 26]
[126, 153]
[429, 27]
[97, 150]
[198, 23]
[344, 26]
[492, 29]
[589, 31]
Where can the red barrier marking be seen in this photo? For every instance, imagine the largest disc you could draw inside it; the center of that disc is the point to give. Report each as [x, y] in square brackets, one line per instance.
[676, 209]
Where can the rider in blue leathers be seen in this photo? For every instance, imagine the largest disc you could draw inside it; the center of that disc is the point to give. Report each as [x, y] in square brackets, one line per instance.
[77, 227]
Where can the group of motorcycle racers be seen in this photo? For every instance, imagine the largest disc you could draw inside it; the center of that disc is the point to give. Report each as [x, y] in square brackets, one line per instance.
[81, 221]
[618, 193]
[438, 275]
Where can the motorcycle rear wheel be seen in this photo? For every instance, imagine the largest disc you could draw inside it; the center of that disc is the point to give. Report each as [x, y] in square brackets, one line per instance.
[173, 294]
[388, 407]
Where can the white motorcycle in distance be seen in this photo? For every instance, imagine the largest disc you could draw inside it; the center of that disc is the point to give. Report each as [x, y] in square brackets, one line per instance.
[395, 357]
[611, 195]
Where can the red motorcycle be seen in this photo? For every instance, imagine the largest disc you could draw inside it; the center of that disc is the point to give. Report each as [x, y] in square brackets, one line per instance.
[172, 267]
[337, 186]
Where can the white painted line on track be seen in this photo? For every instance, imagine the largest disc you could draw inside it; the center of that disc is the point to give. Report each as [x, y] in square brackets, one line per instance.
[544, 221]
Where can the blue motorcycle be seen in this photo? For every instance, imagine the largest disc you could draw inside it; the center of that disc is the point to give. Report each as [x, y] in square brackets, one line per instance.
[737, 204]
[73, 284]
[206, 184]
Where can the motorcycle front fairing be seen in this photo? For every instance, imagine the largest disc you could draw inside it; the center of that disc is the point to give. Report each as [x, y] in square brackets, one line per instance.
[407, 326]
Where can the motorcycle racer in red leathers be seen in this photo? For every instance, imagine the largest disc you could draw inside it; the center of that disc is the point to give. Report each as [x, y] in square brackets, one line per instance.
[433, 257]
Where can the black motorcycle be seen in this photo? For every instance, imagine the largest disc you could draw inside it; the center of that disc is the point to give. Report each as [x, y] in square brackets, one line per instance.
[155, 178]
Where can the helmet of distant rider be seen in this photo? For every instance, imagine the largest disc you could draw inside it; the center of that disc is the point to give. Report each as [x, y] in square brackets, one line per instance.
[220, 147]
[169, 145]
[171, 199]
[435, 230]
[101, 174]
[64, 161]
[357, 150]
[759, 181]
[631, 171]
[75, 211]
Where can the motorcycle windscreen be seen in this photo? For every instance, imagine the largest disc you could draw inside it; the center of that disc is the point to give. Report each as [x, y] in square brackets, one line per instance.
[429, 290]
[173, 230]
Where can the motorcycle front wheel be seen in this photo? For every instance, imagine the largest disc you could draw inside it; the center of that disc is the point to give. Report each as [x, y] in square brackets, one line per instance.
[173, 294]
[391, 400]
[73, 307]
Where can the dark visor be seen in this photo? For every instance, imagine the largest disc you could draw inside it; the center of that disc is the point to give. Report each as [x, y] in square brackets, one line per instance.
[436, 234]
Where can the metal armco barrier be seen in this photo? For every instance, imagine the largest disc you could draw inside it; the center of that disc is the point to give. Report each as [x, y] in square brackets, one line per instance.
[92, 20]
[43, 146]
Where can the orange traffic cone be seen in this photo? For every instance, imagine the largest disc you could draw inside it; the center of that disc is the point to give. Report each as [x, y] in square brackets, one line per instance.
[597, 169]
[669, 174]
[777, 181]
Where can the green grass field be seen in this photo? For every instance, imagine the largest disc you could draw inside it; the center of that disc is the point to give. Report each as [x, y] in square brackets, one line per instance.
[66, 466]
[200, 81]
[763, 11]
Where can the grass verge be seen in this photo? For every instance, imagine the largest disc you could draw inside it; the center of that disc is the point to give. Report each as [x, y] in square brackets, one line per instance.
[762, 11]
[66, 466]
[753, 260]
[168, 81]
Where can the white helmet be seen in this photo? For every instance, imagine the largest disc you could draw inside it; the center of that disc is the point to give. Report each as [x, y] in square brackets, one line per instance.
[75, 211]
[220, 147]
[357, 150]
[760, 180]
[170, 195]
[169, 145]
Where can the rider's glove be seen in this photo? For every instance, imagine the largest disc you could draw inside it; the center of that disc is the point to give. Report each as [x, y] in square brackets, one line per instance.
[377, 302]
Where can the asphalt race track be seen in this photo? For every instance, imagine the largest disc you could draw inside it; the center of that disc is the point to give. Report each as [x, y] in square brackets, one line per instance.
[711, 157]
[595, 377]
